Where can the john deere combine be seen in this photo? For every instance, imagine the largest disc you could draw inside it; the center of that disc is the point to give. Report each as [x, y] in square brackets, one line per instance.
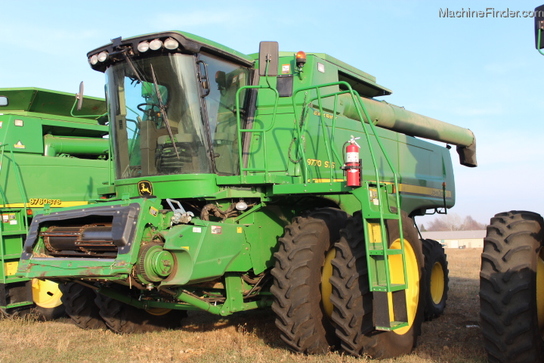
[251, 181]
[49, 158]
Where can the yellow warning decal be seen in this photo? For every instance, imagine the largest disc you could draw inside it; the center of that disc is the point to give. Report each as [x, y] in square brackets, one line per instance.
[10, 268]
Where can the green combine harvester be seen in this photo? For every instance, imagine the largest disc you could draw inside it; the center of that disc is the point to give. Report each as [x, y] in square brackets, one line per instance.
[251, 181]
[49, 158]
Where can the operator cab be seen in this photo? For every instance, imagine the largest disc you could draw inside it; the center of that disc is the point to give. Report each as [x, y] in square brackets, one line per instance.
[173, 108]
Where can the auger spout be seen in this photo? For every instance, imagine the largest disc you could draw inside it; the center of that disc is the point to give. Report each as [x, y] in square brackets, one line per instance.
[398, 119]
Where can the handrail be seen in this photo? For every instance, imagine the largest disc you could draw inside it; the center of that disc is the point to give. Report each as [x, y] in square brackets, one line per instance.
[263, 131]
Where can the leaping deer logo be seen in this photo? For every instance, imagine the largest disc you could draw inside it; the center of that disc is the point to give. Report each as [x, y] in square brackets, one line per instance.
[145, 188]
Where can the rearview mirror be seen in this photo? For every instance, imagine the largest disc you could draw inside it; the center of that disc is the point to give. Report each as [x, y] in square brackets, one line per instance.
[268, 58]
[79, 96]
[539, 26]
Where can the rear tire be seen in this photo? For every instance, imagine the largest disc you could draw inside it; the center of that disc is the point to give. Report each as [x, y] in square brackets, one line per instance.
[298, 287]
[122, 318]
[352, 297]
[78, 301]
[511, 288]
[435, 279]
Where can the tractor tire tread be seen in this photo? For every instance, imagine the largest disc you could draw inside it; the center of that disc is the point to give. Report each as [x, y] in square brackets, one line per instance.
[508, 306]
[122, 318]
[299, 260]
[433, 253]
[352, 298]
[78, 302]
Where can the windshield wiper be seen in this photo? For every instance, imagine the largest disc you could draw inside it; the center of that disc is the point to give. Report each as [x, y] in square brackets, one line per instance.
[163, 111]
[129, 61]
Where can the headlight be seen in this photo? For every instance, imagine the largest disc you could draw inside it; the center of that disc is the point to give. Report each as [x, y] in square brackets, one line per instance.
[171, 44]
[94, 59]
[155, 44]
[143, 47]
[102, 56]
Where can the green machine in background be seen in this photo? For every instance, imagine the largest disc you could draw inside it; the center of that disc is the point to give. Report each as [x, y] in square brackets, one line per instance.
[251, 181]
[50, 157]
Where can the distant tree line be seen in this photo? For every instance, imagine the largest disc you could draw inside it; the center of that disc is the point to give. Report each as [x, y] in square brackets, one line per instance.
[453, 222]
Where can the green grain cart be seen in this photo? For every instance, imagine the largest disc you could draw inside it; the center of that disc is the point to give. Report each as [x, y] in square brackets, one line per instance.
[49, 158]
[252, 181]
[512, 277]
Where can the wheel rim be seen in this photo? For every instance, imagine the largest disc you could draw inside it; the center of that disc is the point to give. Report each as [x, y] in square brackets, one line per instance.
[46, 294]
[158, 311]
[412, 279]
[437, 283]
[326, 286]
[540, 293]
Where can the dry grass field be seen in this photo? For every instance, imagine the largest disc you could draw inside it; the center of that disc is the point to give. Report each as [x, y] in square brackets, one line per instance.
[247, 337]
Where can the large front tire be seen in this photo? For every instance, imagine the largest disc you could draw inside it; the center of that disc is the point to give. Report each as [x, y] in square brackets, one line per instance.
[300, 286]
[512, 288]
[352, 298]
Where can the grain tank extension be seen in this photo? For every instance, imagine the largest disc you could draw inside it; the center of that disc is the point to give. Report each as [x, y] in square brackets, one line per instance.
[248, 181]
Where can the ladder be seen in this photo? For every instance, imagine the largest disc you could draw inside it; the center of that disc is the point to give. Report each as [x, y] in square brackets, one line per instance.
[380, 207]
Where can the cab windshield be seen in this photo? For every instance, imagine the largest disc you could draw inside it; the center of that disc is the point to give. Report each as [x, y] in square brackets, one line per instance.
[170, 117]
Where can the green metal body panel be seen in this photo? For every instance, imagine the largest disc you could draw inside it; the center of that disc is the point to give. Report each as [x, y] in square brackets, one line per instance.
[275, 147]
[185, 186]
[33, 177]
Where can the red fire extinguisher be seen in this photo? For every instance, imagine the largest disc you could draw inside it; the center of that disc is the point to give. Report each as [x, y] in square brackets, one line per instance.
[353, 163]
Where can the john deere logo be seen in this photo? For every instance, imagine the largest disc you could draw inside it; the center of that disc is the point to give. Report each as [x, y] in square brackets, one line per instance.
[145, 188]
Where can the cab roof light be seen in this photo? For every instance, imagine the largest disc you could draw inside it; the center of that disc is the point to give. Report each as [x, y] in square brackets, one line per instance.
[155, 44]
[94, 59]
[301, 59]
[143, 47]
[171, 44]
[102, 56]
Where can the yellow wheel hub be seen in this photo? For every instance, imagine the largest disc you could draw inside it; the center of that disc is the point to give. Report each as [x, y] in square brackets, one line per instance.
[158, 311]
[412, 279]
[326, 287]
[437, 283]
[46, 294]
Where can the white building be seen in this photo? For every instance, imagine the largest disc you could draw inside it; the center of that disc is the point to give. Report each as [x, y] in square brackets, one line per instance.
[457, 239]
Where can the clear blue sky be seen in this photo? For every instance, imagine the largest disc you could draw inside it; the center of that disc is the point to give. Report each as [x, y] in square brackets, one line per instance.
[479, 73]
